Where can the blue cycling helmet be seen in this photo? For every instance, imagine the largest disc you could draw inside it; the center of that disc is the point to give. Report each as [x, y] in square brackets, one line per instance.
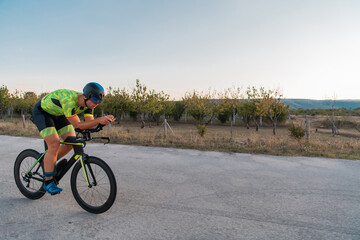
[94, 91]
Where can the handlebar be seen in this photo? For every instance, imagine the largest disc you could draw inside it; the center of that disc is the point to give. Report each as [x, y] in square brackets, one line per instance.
[98, 128]
[86, 133]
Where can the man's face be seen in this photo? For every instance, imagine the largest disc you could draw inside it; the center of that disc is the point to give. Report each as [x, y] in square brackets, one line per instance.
[91, 104]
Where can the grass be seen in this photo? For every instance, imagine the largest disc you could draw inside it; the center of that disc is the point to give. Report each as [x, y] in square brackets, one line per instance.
[217, 138]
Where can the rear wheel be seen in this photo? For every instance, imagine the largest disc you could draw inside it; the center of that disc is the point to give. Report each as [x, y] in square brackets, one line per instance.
[30, 183]
[100, 195]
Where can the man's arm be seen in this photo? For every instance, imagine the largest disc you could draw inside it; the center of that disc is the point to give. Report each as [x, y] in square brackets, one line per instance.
[90, 121]
[89, 118]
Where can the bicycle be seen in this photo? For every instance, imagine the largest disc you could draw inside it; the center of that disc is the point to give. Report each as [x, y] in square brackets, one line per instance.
[94, 188]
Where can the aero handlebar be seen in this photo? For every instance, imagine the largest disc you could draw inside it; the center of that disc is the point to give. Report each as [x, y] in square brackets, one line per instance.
[86, 133]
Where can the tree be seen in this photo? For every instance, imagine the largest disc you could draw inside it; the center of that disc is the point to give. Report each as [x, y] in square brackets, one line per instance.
[156, 103]
[4, 100]
[200, 106]
[223, 110]
[149, 104]
[29, 99]
[274, 108]
[117, 102]
[178, 110]
[226, 108]
[139, 97]
[228, 103]
[169, 109]
[246, 110]
[253, 106]
[16, 102]
[42, 95]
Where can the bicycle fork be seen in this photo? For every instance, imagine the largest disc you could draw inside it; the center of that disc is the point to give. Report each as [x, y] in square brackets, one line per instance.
[85, 163]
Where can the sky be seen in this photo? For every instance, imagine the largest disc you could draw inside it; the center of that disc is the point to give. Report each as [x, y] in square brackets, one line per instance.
[306, 49]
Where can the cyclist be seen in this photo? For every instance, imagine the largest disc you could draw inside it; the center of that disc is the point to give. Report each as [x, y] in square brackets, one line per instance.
[55, 115]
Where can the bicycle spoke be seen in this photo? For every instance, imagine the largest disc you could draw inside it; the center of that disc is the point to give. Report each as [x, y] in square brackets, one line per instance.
[100, 194]
[103, 184]
[107, 189]
[83, 177]
[80, 193]
[97, 170]
[101, 178]
[92, 196]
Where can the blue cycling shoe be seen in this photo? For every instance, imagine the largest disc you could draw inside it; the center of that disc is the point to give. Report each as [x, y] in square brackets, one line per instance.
[52, 188]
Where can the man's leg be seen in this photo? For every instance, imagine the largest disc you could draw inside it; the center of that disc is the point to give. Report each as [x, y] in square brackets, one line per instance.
[53, 143]
[50, 157]
[65, 149]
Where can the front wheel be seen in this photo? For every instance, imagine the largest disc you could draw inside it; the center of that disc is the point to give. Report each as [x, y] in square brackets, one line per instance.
[97, 194]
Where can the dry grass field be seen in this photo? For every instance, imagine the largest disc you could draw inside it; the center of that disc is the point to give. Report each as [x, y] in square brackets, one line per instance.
[217, 137]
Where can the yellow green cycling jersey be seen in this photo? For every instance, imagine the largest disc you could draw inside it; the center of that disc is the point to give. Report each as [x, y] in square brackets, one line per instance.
[64, 102]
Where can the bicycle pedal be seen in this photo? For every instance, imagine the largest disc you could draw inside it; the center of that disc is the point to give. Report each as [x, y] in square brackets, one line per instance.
[52, 194]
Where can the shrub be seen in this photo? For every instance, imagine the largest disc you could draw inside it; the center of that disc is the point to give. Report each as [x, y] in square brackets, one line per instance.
[201, 129]
[296, 131]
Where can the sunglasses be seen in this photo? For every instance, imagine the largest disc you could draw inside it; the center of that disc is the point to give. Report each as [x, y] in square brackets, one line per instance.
[95, 100]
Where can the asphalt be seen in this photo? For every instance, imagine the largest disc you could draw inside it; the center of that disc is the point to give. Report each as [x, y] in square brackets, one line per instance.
[188, 194]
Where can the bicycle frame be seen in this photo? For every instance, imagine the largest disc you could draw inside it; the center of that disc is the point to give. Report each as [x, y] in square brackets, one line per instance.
[78, 144]
[27, 174]
[78, 155]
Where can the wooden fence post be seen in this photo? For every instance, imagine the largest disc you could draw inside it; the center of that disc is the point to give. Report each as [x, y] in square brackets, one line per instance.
[234, 116]
[23, 120]
[307, 129]
[231, 129]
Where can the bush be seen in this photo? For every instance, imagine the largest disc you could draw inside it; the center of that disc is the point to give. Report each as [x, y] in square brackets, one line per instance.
[296, 131]
[201, 129]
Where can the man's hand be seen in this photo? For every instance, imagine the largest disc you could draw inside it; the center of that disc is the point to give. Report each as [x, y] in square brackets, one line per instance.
[106, 119]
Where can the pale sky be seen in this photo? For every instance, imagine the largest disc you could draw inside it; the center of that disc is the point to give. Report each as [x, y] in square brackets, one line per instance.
[308, 49]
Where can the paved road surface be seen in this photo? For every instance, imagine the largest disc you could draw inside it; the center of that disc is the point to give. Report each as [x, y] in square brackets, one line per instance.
[187, 194]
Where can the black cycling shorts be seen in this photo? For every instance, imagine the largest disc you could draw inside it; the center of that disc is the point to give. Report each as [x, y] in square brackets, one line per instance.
[48, 124]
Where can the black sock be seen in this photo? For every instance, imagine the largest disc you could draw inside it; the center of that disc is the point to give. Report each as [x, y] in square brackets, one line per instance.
[47, 182]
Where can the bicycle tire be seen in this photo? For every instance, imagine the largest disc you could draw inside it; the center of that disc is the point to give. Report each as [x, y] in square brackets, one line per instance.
[105, 180]
[33, 189]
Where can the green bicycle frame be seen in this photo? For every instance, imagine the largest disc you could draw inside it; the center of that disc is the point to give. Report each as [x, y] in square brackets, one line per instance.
[83, 167]
[27, 174]
[78, 155]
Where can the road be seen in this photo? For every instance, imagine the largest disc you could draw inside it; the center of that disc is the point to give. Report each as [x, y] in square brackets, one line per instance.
[188, 194]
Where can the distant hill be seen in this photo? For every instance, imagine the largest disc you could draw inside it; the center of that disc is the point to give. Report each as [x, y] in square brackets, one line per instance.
[310, 104]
